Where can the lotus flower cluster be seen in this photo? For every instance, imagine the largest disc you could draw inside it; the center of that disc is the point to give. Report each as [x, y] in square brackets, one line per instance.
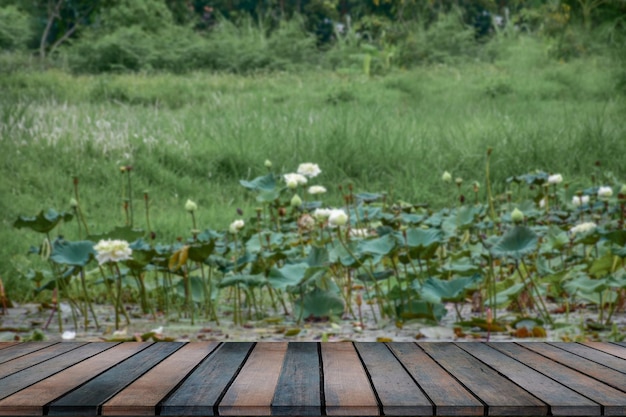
[110, 250]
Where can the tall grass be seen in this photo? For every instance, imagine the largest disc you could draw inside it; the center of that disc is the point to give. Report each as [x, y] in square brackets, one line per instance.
[195, 136]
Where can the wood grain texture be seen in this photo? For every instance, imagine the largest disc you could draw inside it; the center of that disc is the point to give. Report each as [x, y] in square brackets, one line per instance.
[347, 388]
[562, 400]
[38, 356]
[200, 392]
[21, 349]
[252, 391]
[29, 376]
[142, 396]
[594, 355]
[33, 399]
[6, 344]
[502, 397]
[612, 400]
[86, 399]
[399, 395]
[449, 397]
[298, 388]
[595, 370]
[609, 348]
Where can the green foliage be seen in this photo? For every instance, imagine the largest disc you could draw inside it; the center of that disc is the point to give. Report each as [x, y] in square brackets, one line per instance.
[16, 30]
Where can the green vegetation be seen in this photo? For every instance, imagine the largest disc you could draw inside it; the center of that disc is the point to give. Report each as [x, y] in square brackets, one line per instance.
[189, 108]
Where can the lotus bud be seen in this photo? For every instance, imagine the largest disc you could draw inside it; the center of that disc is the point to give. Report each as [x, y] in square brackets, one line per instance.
[605, 193]
[268, 163]
[446, 177]
[73, 203]
[190, 206]
[296, 201]
[458, 181]
[517, 216]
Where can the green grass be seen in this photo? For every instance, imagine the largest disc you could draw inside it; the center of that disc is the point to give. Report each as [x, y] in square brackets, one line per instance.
[195, 136]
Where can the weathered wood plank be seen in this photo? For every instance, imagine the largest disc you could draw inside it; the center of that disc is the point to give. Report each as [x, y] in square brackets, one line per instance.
[252, 391]
[86, 399]
[447, 394]
[595, 370]
[19, 380]
[33, 399]
[609, 348]
[347, 389]
[142, 396]
[399, 395]
[7, 344]
[594, 355]
[612, 400]
[298, 388]
[38, 356]
[200, 392]
[21, 349]
[562, 400]
[501, 396]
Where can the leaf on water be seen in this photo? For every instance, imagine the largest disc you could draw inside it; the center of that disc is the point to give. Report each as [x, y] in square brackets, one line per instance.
[516, 243]
[42, 222]
[72, 253]
[264, 183]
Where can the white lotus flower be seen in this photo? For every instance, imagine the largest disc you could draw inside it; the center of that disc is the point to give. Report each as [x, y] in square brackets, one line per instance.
[317, 189]
[337, 217]
[110, 250]
[68, 335]
[605, 192]
[293, 180]
[309, 169]
[582, 228]
[579, 201]
[542, 202]
[321, 213]
[236, 226]
[555, 179]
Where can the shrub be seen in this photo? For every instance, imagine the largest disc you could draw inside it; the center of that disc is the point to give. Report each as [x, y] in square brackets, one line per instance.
[15, 29]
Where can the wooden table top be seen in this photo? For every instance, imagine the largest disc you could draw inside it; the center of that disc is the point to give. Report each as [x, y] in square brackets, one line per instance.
[308, 378]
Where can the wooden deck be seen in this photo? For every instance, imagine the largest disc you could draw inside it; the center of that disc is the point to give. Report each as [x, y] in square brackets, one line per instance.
[307, 378]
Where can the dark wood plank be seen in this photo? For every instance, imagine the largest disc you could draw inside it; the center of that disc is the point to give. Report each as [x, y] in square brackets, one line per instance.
[347, 389]
[7, 344]
[562, 400]
[397, 392]
[252, 391]
[20, 380]
[595, 370]
[609, 348]
[9, 367]
[298, 388]
[612, 400]
[449, 397]
[501, 396]
[142, 396]
[86, 399]
[594, 355]
[200, 392]
[33, 399]
[21, 349]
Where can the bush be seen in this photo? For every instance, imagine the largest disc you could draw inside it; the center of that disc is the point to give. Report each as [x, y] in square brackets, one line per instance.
[15, 29]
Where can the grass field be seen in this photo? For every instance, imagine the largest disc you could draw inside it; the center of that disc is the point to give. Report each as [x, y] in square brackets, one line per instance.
[195, 136]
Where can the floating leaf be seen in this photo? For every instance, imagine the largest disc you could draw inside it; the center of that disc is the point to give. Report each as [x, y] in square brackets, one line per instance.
[72, 253]
[318, 303]
[264, 183]
[287, 276]
[43, 222]
[516, 243]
